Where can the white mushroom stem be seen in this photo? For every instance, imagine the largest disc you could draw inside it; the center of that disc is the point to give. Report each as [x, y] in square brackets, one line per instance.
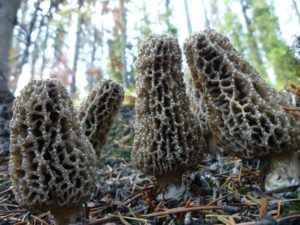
[283, 171]
[170, 186]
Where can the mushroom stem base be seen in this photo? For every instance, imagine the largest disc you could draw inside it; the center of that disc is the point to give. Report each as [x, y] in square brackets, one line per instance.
[67, 214]
[170, 186]
[283, 171]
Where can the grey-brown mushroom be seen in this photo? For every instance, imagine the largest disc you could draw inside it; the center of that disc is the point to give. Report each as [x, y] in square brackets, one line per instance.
[98, 112]
[52, 164]
[168, 138]
[245, 113]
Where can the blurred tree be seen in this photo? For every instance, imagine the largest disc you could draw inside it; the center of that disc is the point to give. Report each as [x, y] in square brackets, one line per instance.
[28, 42]
[143, 25]
[295, 7]
[118, 44]
[266, 23]
[294, 56]
[94, 72]
[61, 70]
[123, 42]
[58, 26]
[232, 27]
[8, 12]
[142, 30]
[166, 19]
[188, 18]
[215, 13]
[80, 22]
[207, 22]
[253, 51]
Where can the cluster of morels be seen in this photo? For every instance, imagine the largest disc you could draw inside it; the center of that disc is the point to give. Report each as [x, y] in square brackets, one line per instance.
[53, 152]
[228, 105]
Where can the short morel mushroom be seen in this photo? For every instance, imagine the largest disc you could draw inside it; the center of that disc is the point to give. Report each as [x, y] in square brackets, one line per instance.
[97, 113]
[199, 109]
[168, 138]
[52, 164]
[245, 114]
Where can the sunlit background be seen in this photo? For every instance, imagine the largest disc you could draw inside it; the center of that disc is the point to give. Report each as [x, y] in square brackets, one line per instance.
[91, 40]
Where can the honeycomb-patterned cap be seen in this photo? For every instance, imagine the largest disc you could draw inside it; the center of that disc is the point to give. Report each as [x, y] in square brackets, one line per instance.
[168, 137]
[52, 164]
[98, 112]
[244, 112]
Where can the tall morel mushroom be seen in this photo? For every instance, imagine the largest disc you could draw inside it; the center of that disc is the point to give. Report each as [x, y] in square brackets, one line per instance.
[168, 138]
[52, 164]
[98, 111]
[244, 112]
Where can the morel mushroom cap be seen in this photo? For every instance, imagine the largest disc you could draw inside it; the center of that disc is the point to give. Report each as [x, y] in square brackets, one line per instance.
[245, 113]
[52, 164]
[98, 111]
[199, 109]
[168, 138]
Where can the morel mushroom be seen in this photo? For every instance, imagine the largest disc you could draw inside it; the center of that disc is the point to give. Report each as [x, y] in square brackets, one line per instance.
[198, 108]
[168, 138]
[52, 164]
[245, 113]
[98, 111]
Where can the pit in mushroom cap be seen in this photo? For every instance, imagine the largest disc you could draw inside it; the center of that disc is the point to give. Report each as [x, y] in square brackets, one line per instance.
[52, 164]
[245, 113]
[168, 138]
[98, 111]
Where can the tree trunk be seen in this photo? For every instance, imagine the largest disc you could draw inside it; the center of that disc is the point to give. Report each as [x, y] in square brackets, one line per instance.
[207, 23]
[77, 46]
[123, 42]
[45, 44]
[295, 6]
[8, 12]
[25, 56]
[254, 54]
[188, 18]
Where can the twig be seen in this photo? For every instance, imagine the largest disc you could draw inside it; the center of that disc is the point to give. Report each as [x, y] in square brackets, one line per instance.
[5, 191]
[40, 220]
[133, 198]
[278, 209]
[288, 217]
[247, 223]
[263, 207]
[240, 173]
[129, 218]
[99, 221]
[181, 210]
[215, 200]
[122, 219]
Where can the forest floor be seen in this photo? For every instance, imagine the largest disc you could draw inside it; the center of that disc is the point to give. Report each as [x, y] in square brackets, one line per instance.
[226, 190]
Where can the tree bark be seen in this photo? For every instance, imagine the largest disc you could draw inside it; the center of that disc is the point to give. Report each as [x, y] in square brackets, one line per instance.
[77, 47]
[123, 42]
[253, 47]
[8, 12]
[188, 18]
[295, 6]
[207, 23]
[28, 41]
